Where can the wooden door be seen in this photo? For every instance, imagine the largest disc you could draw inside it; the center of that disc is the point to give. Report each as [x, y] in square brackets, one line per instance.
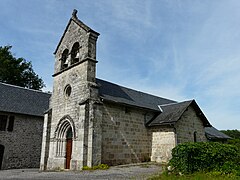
[68, 153]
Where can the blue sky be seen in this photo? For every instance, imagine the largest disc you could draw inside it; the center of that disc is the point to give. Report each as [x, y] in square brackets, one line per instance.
[171, 48]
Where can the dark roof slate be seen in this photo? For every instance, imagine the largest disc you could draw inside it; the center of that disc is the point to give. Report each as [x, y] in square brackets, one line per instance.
[212, 134]
[167, 111]
[20, 100]
[171, 113]
[118, 94]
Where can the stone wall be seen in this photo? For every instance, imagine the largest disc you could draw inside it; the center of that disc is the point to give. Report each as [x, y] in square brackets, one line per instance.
[163, 141]
[23, 144]
[187, 125]
[125, 139]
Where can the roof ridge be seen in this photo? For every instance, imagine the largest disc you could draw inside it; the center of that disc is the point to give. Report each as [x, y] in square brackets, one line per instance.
[79, 23]
[27, 89]
[136, 90]
[177, 103]
[82, 24]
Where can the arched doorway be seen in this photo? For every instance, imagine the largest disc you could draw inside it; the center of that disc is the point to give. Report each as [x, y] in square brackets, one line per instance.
[65, 135]
[1, 155]
[68, 147]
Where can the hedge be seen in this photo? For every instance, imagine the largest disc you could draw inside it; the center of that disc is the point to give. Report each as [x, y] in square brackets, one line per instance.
[205, 156]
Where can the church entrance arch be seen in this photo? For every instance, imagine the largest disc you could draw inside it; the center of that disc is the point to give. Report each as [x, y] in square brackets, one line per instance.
[64, 136]
[1, 155]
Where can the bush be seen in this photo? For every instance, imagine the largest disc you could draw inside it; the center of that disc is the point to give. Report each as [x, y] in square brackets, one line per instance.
[206, 156]
[100, 166]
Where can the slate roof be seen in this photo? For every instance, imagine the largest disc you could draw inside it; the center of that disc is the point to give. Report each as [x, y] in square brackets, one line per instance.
[171, 113]
[118, 94]
[167, 111]
[20, 100]
[212, 134]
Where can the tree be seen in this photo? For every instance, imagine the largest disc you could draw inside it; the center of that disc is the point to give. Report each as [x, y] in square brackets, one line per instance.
[17, 71]
[235, 134]
[232, 133]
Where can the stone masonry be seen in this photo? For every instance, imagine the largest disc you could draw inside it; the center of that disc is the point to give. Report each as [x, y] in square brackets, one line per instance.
[23, 144]
[125, 139]
[187, 125]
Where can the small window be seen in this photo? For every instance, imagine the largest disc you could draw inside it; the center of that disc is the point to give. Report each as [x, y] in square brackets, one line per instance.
[10, 123]
[195, 136]
[68, 90]
[3, 122]
[127, 110]
[75, 53]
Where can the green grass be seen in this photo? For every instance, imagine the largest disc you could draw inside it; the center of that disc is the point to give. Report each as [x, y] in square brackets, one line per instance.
[195, 176]
[100, 167]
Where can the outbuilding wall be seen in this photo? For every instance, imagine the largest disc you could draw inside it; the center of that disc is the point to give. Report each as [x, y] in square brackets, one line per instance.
[22, 146]
[189, 124]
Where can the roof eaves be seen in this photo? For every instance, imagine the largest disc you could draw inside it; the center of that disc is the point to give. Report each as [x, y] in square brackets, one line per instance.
[22, 113]
[169, 123]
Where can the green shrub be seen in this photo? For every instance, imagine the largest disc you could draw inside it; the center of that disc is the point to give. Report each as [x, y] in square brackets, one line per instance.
[205, 156]
[86, 168]
[235, 142]
[100, 166]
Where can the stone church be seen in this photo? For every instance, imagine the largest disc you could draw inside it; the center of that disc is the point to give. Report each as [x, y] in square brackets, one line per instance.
[87, 121]
[91, 121]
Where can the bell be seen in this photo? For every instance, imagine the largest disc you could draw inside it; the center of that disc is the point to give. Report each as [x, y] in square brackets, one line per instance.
[77, 55]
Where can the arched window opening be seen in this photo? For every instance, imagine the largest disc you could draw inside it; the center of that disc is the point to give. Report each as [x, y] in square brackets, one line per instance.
[64, 59]
[195, 136]
[75, 53]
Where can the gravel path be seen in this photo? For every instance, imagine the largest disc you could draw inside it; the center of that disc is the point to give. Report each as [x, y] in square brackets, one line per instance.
[118, 172]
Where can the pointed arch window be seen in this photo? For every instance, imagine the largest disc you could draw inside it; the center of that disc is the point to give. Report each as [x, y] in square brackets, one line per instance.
[75, 53]
[65, 59]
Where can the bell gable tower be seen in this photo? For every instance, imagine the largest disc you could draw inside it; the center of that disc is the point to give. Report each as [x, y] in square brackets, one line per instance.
[68, 140]
[77, 45]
